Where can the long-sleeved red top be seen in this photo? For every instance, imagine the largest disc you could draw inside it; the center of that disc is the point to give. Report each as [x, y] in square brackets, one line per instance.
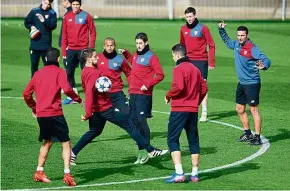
[94, 101]
[47, 84]
[78, 31]
[188, 87]
[113, 68]
[196, 41]
[146, 70]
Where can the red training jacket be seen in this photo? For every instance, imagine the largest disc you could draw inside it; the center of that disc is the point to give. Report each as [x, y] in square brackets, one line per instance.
[113, 68]
[188, 88]
[196, 40]
[78, 31]
[95, 101]
[146, 70]
[47, 84]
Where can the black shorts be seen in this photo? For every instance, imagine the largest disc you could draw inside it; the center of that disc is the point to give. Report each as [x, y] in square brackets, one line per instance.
[140, 106]
[53, 128]
[248, 94]
[202, 65]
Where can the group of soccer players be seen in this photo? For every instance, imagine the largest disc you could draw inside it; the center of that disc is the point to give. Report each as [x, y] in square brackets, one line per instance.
[143, 71]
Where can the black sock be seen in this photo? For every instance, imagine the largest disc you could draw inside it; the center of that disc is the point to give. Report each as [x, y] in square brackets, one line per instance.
[248, 132]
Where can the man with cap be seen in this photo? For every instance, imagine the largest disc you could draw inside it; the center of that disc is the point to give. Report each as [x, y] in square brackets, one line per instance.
[78, 32]
[40, 22]
[47, 84]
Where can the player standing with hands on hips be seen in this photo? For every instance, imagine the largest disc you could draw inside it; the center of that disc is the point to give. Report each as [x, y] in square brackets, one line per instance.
[249, 60]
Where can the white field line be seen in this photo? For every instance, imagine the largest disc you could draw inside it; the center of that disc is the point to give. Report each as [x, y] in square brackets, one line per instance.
[262, 150]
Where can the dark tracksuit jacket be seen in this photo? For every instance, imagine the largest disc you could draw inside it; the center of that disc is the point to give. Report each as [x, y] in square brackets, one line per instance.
[44, 40]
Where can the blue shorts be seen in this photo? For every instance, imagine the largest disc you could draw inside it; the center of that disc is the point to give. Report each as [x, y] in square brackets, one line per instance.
[248, 94]
[53, 128]
[179, 121]
[119, 101]
[202, 65]
[140, 106]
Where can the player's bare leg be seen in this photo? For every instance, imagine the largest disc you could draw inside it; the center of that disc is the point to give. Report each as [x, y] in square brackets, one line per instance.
[39, 175]
[257, 123]
[241, 110]
[203, 117]
[66, 152]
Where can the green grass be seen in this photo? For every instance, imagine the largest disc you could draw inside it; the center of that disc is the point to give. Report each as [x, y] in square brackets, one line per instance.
[109, 158]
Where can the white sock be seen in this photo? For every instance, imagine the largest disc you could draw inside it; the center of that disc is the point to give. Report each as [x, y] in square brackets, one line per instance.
[204, 110]
[194, 171]
[178, 169]
[66, 170]
[39, 168]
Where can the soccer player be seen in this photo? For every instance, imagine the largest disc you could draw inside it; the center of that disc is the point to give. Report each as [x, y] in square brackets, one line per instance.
[196, 38]
[112, 64]
[78, 32]
[187, 92]
[66, 4]
[248, 61]
[47, 84]
[146, 73]
[99, 109]
[42, 18]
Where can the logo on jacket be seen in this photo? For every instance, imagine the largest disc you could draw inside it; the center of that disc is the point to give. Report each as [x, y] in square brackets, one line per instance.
[195, 33]
[142, 59]
[102, 63]
[185, 32]
[134, 58]
[115, 64]
[46, 16]
[245, 52]
[81, 20]
[70, 20]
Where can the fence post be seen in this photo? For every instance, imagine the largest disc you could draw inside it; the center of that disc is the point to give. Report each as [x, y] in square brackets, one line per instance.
[283, 10]
[170, 9]
[56, 8]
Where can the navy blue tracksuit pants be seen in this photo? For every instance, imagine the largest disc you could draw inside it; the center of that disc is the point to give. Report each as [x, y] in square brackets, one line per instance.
[97, 123]
[179, 121]
[34, 59]
[71, 63]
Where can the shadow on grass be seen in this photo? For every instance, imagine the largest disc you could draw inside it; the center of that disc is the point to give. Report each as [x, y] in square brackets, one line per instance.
[5, 89]
[233, 170]
[283, 135]
[221, 115]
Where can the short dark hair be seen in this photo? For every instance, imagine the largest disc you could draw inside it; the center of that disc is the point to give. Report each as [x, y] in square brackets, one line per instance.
[179, 48]
[52, 55]
[143, 36]
[110, 39]
[86, 53]
[190, 10]
[243, 28]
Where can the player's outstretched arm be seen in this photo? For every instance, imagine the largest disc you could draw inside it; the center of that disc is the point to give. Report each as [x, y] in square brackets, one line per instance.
[230, 43]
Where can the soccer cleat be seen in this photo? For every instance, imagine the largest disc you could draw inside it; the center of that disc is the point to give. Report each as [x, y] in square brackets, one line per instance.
[67, 101]
[193, 178]
[256, 141]
[176, 178]
[138, 157]
[73, 159]
[40, 176]
[203, 118]
[245, 138]
[157, 152]
[144, 157]
[69, 180]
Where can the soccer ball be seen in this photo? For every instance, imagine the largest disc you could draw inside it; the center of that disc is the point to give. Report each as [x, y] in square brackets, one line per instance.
[103, 84]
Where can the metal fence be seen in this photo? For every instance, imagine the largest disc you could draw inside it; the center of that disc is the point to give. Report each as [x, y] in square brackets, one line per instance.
[164, 9]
